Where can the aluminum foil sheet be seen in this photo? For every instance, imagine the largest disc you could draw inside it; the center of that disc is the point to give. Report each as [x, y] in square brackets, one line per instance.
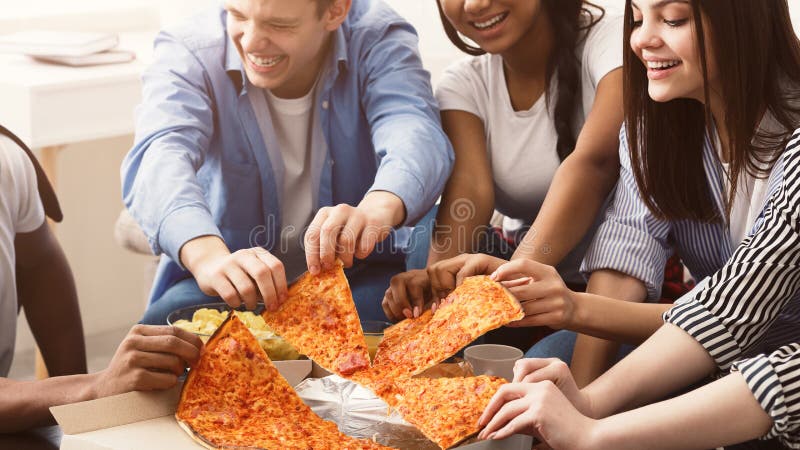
[359, 413]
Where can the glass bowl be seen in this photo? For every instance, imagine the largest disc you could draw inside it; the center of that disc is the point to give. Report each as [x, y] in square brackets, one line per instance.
[204, 319]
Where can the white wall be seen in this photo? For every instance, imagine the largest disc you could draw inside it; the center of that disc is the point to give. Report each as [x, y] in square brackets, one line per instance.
[109, 278]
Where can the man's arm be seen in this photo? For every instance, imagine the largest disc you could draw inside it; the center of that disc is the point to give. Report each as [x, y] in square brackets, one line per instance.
[174, 125]
[149, 358]
[348, 232]
[415, 155]
[47, 292]
[25, 404]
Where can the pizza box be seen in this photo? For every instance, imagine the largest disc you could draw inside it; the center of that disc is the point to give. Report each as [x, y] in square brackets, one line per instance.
[138, 420]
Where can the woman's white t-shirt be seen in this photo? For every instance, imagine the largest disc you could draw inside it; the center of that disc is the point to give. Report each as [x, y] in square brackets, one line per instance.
[522, 144]
[21, 211]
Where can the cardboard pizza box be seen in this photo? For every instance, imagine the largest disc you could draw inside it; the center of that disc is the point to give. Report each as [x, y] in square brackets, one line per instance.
[145, 420]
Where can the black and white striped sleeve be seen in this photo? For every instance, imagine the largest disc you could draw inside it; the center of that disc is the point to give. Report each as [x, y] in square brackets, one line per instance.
[773, 381]
[744, 298]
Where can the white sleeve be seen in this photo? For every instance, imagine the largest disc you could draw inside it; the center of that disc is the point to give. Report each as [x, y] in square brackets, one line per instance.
[604, 47]
[460, 89]
[20, 177]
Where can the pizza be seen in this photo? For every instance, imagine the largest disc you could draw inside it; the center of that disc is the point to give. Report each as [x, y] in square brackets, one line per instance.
[234, 397]
[446, 410]
[478, 305]
[320, 319]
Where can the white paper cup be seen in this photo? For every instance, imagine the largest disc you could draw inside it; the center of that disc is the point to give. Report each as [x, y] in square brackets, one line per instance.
[493, 359]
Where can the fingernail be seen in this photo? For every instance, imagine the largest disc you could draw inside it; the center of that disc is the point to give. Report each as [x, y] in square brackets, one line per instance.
[407, 313]
[491, 436]
[313, 269]
[493, 276]
[416, 311]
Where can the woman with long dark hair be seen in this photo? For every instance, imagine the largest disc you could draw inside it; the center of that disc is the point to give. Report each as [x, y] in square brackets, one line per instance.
[533, 117]
[712, 130]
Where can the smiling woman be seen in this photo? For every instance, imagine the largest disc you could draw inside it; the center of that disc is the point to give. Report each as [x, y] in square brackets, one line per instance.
[676, 66]
[534, 119]
[710, 168]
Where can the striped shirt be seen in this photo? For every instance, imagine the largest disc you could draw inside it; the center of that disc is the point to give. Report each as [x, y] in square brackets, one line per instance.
[746, 315]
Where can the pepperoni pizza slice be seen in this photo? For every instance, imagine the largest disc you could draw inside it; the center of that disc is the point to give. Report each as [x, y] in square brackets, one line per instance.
[446, 410]
[413, 345]
[235, 397]
[320, 320]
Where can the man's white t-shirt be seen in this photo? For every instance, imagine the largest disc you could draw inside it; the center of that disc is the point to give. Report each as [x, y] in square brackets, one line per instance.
[297, 163]
[21, 211]
[522, 144]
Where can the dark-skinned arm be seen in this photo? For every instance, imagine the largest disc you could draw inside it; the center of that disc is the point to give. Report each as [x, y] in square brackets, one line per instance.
[46, 291]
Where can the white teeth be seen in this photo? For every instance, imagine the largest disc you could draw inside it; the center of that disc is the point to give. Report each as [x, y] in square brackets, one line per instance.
[265, 62]
[493, 21]
[662, 64]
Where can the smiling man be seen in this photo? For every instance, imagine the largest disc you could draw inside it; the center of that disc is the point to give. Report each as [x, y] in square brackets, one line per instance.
[275, 136]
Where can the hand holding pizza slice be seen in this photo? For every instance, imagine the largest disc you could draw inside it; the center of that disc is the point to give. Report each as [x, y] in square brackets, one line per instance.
[320, 319]
[477, 306]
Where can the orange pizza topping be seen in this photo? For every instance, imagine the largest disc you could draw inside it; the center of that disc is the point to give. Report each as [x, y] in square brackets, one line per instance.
[413, 345]
[235, 397]
[320, 320]
[446, 410]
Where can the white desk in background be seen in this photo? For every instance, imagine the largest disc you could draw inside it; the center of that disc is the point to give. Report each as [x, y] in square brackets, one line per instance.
[51, 106]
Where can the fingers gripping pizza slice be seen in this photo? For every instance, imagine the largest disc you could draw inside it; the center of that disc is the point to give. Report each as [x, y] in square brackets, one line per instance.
[321, 321]
[235, 397]
[413, 345]
[446, 410]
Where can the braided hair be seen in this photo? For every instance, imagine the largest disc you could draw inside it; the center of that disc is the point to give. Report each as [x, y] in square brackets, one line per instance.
[568, 30]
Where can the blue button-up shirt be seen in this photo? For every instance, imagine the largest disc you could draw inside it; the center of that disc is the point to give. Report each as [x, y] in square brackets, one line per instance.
[200, 166]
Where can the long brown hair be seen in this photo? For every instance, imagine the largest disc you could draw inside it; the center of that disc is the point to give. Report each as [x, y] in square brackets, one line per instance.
[565, 16]
[758, 56]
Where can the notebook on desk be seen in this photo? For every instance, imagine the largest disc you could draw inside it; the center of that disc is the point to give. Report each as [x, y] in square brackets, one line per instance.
[57, 43]
[94, 59]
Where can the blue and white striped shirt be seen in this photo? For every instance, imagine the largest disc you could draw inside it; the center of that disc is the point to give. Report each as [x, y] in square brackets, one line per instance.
[749, 307]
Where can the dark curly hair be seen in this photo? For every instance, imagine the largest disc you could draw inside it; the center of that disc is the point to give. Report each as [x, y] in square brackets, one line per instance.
[565, 16]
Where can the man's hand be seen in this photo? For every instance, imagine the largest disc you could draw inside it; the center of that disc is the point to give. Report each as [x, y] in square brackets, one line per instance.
[407, 295]
[448, 274]
[347, 232]
[149, 358]
[245, 276]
